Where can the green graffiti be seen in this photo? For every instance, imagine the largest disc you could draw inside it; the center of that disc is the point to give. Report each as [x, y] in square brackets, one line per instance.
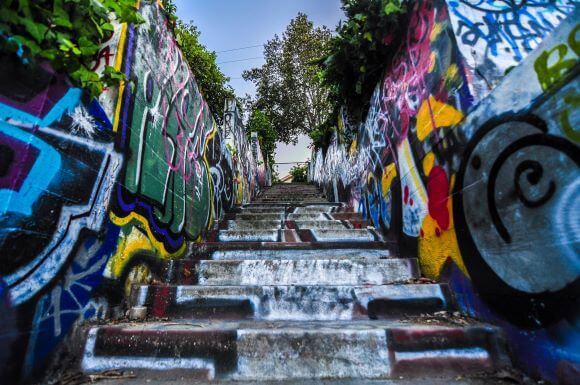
[168, 134]
[551, 68]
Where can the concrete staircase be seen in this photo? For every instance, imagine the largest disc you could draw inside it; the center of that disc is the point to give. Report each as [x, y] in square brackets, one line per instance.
[291, 287]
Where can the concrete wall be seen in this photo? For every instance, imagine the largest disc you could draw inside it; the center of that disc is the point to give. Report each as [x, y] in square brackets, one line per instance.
[96, 193]
[475, 171]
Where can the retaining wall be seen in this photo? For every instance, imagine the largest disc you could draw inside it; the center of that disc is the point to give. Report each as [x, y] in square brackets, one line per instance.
[469, 160]
[94, 194]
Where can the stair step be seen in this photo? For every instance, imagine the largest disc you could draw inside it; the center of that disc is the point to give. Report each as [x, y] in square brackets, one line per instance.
[161, 378]
[280, 302]
[308, 217]
[301, 254]
[266, 351]
[307, 272]
[260, 217]
[264, 205]
[321, 224]
[248, 225]
[351, 235]
[314, 209]
[253, 235]
[263, 210]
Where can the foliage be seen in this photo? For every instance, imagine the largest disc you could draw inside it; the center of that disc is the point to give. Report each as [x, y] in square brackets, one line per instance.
[288, 87]
[171, 11]
[267, 136]
[66, 33]
[322, 134]
[299, 173]
[202, 62]
[358, 54]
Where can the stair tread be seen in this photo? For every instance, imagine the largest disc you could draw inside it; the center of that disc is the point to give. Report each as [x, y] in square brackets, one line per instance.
[308, 325]
[301, 253]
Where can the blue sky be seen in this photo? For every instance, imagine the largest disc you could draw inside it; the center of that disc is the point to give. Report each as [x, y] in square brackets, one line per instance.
[228, 25]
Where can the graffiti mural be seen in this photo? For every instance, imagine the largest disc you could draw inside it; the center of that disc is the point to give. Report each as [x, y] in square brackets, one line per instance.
[179, 169]
[494, 36]
[94, 194]
[482, 191]
[50, 137]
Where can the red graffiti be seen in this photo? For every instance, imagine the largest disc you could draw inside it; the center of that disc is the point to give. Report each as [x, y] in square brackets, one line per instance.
[438, 192]
[104, 53]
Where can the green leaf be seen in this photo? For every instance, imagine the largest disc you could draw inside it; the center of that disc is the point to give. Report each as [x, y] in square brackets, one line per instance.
[391, 8]
[35, 30]
[9, 16]
[62, 22]
[107, 27]
[368, 36]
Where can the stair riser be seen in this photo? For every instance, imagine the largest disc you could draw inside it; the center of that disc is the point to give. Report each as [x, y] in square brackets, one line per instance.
[260, 217]
[290, 302]
[257, 225]
[253, 235]
[262, 210]
[262, 354]
[324, 224]
[306, 272]
[300, 254]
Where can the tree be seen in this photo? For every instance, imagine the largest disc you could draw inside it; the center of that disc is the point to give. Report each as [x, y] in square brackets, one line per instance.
[299, 173]
[288, 87]
[267, 136]
[202, 62]
[210, 79]
[357, 56]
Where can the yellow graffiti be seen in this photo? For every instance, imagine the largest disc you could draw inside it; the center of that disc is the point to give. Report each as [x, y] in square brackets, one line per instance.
[389, 173]
[353, 147]
[118, 63]
[435, 31]
[134, 219]
[428, 163]
[436, 246]
[432, 61]
[210, 137]
[452, 72]
[140, 274]
[435, 114]
[128, 246]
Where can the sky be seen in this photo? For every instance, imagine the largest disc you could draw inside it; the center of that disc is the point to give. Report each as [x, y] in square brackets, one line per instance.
[236, 31]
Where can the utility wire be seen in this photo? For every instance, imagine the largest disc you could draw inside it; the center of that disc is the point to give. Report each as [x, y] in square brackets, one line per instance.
[239, 49]
[290, 162]
[234, 61]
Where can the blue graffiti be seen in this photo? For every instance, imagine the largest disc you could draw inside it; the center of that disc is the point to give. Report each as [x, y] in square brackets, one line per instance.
[45, 167]
[70, 300]
[514, 27]
[63, 107]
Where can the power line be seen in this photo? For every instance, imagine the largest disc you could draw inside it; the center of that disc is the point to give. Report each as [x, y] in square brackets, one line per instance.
[290, 162]
[239, 49]
[234, 61]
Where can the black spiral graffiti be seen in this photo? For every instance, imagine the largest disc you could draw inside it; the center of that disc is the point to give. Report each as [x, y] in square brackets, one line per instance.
[527, 171]
[534, 171]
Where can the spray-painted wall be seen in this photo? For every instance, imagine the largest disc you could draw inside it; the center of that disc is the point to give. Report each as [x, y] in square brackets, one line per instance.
[476, 172]
[96, 193]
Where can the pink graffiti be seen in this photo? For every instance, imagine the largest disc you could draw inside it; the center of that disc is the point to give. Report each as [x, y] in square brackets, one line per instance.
[405, 88]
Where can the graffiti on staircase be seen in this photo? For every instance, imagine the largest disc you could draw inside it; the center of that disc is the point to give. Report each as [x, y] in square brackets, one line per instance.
[481, 190]
[94, 189]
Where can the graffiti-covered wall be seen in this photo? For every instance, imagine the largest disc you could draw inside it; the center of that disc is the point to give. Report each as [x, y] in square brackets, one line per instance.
[94, 194]
[469, 160]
